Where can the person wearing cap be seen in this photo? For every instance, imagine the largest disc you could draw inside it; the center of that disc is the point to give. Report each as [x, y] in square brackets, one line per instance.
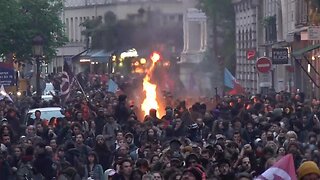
[308, 170]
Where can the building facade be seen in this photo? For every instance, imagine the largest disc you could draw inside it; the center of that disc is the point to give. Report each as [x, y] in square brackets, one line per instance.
[195, 44]
[266, 25]
[247, 39]
[78, 11]
[304, 42]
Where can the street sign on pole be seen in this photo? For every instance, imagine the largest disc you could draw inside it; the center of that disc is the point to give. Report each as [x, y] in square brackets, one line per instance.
[280, 56]
[263, 65]
[6, 74]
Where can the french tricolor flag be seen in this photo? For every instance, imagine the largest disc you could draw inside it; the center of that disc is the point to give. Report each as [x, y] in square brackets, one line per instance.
[281, 170]
[231, 82]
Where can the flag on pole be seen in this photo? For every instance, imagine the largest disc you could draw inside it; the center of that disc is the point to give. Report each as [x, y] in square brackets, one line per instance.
[231, 82]
[4, 94]
[112, 86]
[281, 170]
[67, 77]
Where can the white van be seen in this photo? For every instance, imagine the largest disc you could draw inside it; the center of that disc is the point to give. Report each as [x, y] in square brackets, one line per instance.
[46, 113]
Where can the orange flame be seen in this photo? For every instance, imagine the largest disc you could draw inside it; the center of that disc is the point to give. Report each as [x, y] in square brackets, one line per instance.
[150, 101]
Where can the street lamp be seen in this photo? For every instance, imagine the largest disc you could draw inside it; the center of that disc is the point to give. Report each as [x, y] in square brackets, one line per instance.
[37, 49]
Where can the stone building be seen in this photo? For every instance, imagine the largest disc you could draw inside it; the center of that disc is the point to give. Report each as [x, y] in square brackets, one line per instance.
[247, 39]
[77, 11]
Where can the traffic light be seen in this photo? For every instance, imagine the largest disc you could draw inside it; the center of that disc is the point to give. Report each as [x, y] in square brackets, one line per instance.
[155, 56]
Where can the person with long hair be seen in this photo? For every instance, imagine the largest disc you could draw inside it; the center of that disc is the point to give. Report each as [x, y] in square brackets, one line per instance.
[93, 169]
[6, 129]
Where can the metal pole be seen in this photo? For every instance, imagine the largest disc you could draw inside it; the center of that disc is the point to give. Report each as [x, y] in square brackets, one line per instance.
[17, 81]
[272, 78]
[216, 89]
[38, 77]
[83, 92]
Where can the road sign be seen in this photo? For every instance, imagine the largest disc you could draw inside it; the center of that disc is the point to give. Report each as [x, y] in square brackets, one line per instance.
[251, 54]
[6, 74]
[280, 56]
[263, 65]
[313, 33]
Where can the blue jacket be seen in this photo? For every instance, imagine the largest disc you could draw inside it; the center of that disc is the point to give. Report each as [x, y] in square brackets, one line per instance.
[97, 173]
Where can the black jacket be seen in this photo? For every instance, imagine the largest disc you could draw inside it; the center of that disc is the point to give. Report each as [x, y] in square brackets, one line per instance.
[43, 165]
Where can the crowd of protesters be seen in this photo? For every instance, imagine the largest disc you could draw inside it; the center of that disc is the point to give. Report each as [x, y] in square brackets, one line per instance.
[102, 137]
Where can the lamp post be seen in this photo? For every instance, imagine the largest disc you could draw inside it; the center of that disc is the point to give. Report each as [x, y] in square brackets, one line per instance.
[37, 49]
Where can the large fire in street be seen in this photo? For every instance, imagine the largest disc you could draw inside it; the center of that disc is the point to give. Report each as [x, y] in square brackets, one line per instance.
[150, 101]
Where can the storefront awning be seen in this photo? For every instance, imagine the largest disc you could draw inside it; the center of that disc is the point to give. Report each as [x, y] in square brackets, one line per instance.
[76, 57]
[301, 55]
[304, 50]
[101, 56]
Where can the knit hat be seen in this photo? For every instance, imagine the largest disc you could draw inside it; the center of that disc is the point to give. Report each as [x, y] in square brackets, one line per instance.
[308, 167]
[99, 137]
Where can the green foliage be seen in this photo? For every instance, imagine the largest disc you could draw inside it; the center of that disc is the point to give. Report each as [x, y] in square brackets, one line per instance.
[269, 20]
[218, 8]
[22, 20]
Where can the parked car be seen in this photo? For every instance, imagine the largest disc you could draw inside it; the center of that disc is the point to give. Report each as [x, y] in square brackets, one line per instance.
[46, 113]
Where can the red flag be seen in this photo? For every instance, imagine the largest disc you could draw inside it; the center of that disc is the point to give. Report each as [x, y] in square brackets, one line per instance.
[237, 89]
[67, 77]
[231, 82]
[281, 170]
